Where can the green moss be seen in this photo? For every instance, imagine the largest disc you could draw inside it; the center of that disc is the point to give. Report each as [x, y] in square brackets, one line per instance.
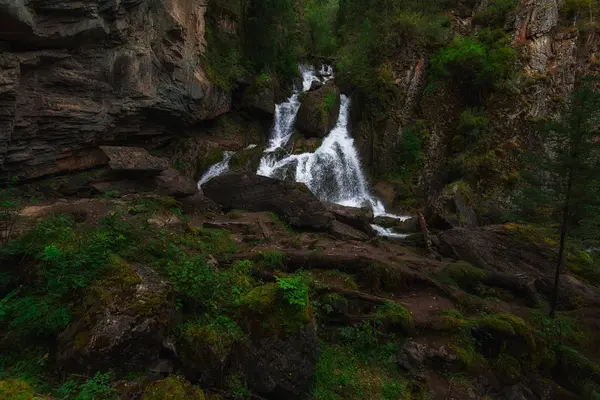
[267, 304]
[468, 356]
[212, 337]
[15, 389]
[508, 368]
[342, 374]
[246, 160]
[464, 275]
[579, 372]
[507, 324]
[396, 315]
[172, 388]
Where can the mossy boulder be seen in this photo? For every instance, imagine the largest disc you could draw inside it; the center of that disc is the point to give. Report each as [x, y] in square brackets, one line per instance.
[246, 160]
[281, 353]
[172, 388]
[122, 323]
[205, 348]
[259, 97]
[319, 111]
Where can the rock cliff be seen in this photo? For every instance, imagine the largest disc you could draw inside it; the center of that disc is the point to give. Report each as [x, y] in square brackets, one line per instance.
[74, 75]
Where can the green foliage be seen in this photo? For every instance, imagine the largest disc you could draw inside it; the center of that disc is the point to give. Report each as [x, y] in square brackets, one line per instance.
[320, 17]
[271, 39]
[476, 64]
[237, 387]
[410, 151]
[566, 171]
[329, 102]
[96, 388]
[295, 289]
[342, 374]
[219, 334]
[495, 14]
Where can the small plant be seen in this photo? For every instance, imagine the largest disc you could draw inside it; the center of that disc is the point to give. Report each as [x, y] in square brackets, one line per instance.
[396, 314]
[96, 388]
[295, 289]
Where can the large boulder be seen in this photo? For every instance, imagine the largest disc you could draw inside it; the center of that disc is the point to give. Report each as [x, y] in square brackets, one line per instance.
[342, 231]
[171, 183]
[281, 353]
[292, 200]
[260, 96]
[357, 218]
[319, 111]
[123, 323]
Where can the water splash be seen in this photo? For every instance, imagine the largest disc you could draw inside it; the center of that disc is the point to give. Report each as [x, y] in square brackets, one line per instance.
[218, 169]
[388, 232]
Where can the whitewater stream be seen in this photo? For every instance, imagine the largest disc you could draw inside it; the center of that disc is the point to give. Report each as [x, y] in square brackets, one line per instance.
[333, 172]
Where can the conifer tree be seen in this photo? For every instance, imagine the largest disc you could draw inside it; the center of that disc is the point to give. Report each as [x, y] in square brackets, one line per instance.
[562, 179]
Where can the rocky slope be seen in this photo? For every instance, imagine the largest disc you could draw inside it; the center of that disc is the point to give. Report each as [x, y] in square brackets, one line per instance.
[77, 74]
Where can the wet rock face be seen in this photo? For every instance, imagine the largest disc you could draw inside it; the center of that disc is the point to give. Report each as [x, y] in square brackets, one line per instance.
[123, 323]
[319, 111]
[77, 74]
[249, 192]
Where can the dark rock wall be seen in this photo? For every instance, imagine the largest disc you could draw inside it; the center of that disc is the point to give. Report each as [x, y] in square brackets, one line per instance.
[77, 74]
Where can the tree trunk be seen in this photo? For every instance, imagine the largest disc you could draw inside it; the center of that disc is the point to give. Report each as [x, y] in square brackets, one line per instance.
[561, 250]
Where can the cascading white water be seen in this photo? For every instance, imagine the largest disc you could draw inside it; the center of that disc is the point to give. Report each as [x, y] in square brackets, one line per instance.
[333, 172]
[218, 169]
[285, 113]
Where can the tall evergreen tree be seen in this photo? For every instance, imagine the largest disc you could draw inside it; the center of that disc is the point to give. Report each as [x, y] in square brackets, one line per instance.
[562, 179]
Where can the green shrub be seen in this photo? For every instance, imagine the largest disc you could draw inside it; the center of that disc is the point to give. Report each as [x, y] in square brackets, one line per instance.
[96, 388]
[476, 64]
[295, 289]
[495, 14]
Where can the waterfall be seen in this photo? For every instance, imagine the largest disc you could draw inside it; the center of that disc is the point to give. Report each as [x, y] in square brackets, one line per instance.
[218, 169]
[333, 172]
[285, 113]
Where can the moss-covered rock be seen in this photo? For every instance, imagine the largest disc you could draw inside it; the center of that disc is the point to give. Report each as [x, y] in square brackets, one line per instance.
[16, 389]
[205, 347]
[577, 372]
[172, 388]
[319, 111]
[246, 160]
[121, 324]
[281, 353]
[463, 274]
[397, 316]
[260, 95]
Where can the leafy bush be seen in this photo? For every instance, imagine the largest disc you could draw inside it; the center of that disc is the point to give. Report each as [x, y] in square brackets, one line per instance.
[476, 64]
[495, 14]
[320, 18]
[96, 388]
[295, 289]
